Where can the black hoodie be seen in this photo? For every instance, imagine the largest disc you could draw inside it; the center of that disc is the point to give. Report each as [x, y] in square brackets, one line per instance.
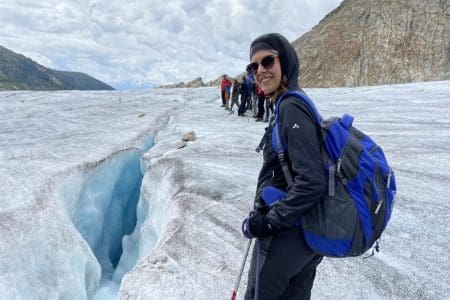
[301, 136]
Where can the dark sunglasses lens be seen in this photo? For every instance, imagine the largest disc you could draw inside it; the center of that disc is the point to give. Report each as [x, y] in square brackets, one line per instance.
[268, 61]
[253, 67]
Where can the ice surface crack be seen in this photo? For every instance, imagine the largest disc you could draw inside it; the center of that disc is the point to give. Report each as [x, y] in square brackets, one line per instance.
[102, 201]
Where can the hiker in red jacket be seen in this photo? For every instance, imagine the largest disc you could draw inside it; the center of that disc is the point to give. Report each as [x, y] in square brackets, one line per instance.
[223, 86]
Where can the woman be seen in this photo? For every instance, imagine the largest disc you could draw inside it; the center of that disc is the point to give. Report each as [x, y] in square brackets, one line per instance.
[282, 265]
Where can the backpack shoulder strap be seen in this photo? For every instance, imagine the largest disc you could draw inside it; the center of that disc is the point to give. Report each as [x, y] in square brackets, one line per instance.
[276, 138]
[302, 97]
[277, 142]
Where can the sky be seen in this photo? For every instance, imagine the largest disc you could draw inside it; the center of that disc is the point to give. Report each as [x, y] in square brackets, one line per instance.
[68, 181]
[142, 43]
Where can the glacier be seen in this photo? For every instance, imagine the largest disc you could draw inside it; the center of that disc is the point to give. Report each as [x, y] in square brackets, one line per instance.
[97, 203]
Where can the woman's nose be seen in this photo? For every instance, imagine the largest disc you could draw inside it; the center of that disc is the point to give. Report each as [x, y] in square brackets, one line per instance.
[260, 67]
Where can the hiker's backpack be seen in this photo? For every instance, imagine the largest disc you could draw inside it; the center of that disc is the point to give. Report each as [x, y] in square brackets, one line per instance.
[358, 204]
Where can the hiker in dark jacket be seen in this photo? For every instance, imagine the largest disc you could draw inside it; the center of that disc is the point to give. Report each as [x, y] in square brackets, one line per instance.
[235, 95]
[261, 97]
[283, 262]
[243, 93]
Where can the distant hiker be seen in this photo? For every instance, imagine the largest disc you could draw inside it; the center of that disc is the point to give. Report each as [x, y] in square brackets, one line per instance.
[235, 95]
[255, 98]
[227, 96]
[223, 86]
[250, 84]
[283, 266]
[244, 96]
[249, 81]
[261, 97]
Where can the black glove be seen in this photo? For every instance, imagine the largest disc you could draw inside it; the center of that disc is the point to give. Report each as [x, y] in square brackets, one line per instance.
[256, 225]
[261, 207]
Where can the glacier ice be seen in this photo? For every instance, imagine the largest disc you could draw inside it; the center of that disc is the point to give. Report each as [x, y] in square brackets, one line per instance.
[60, 149]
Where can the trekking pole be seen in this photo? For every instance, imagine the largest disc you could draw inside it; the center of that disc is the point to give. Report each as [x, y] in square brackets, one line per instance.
[238, 279]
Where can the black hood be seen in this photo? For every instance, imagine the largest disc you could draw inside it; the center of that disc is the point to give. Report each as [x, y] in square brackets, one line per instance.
[290, 65]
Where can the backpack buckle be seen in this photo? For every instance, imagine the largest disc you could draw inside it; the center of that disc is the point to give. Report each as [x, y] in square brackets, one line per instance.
[375, 247]
[378, 206]
[389, 175]
[338, 167]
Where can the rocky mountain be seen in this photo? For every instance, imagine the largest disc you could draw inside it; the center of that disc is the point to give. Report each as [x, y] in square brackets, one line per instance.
[18, 72]
[370, 42]
[216, 82]
[197, 82]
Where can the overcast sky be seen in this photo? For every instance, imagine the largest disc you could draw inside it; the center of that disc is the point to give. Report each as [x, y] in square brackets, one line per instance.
[157, 41]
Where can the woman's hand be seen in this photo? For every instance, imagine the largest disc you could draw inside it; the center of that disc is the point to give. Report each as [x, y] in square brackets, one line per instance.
[256, 225]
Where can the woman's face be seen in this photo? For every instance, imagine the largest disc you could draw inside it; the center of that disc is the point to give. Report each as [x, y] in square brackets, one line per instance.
[269, 78]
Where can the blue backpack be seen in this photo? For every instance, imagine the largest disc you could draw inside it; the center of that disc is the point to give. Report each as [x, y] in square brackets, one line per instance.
[354, 212]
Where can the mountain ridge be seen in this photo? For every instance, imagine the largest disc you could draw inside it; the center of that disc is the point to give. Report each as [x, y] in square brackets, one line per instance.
[18, 72]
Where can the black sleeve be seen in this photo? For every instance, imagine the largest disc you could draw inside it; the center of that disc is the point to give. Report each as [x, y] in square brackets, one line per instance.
[300, 135]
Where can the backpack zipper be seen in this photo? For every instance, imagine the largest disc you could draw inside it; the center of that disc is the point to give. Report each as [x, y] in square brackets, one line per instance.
[378, 206]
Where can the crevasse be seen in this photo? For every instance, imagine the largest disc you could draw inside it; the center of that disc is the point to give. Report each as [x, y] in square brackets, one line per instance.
[102, 202]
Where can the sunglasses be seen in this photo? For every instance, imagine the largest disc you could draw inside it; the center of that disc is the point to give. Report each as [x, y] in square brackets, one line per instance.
[267, 62]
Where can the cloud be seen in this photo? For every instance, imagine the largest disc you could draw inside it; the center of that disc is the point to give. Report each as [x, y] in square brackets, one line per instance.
[150, 41]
